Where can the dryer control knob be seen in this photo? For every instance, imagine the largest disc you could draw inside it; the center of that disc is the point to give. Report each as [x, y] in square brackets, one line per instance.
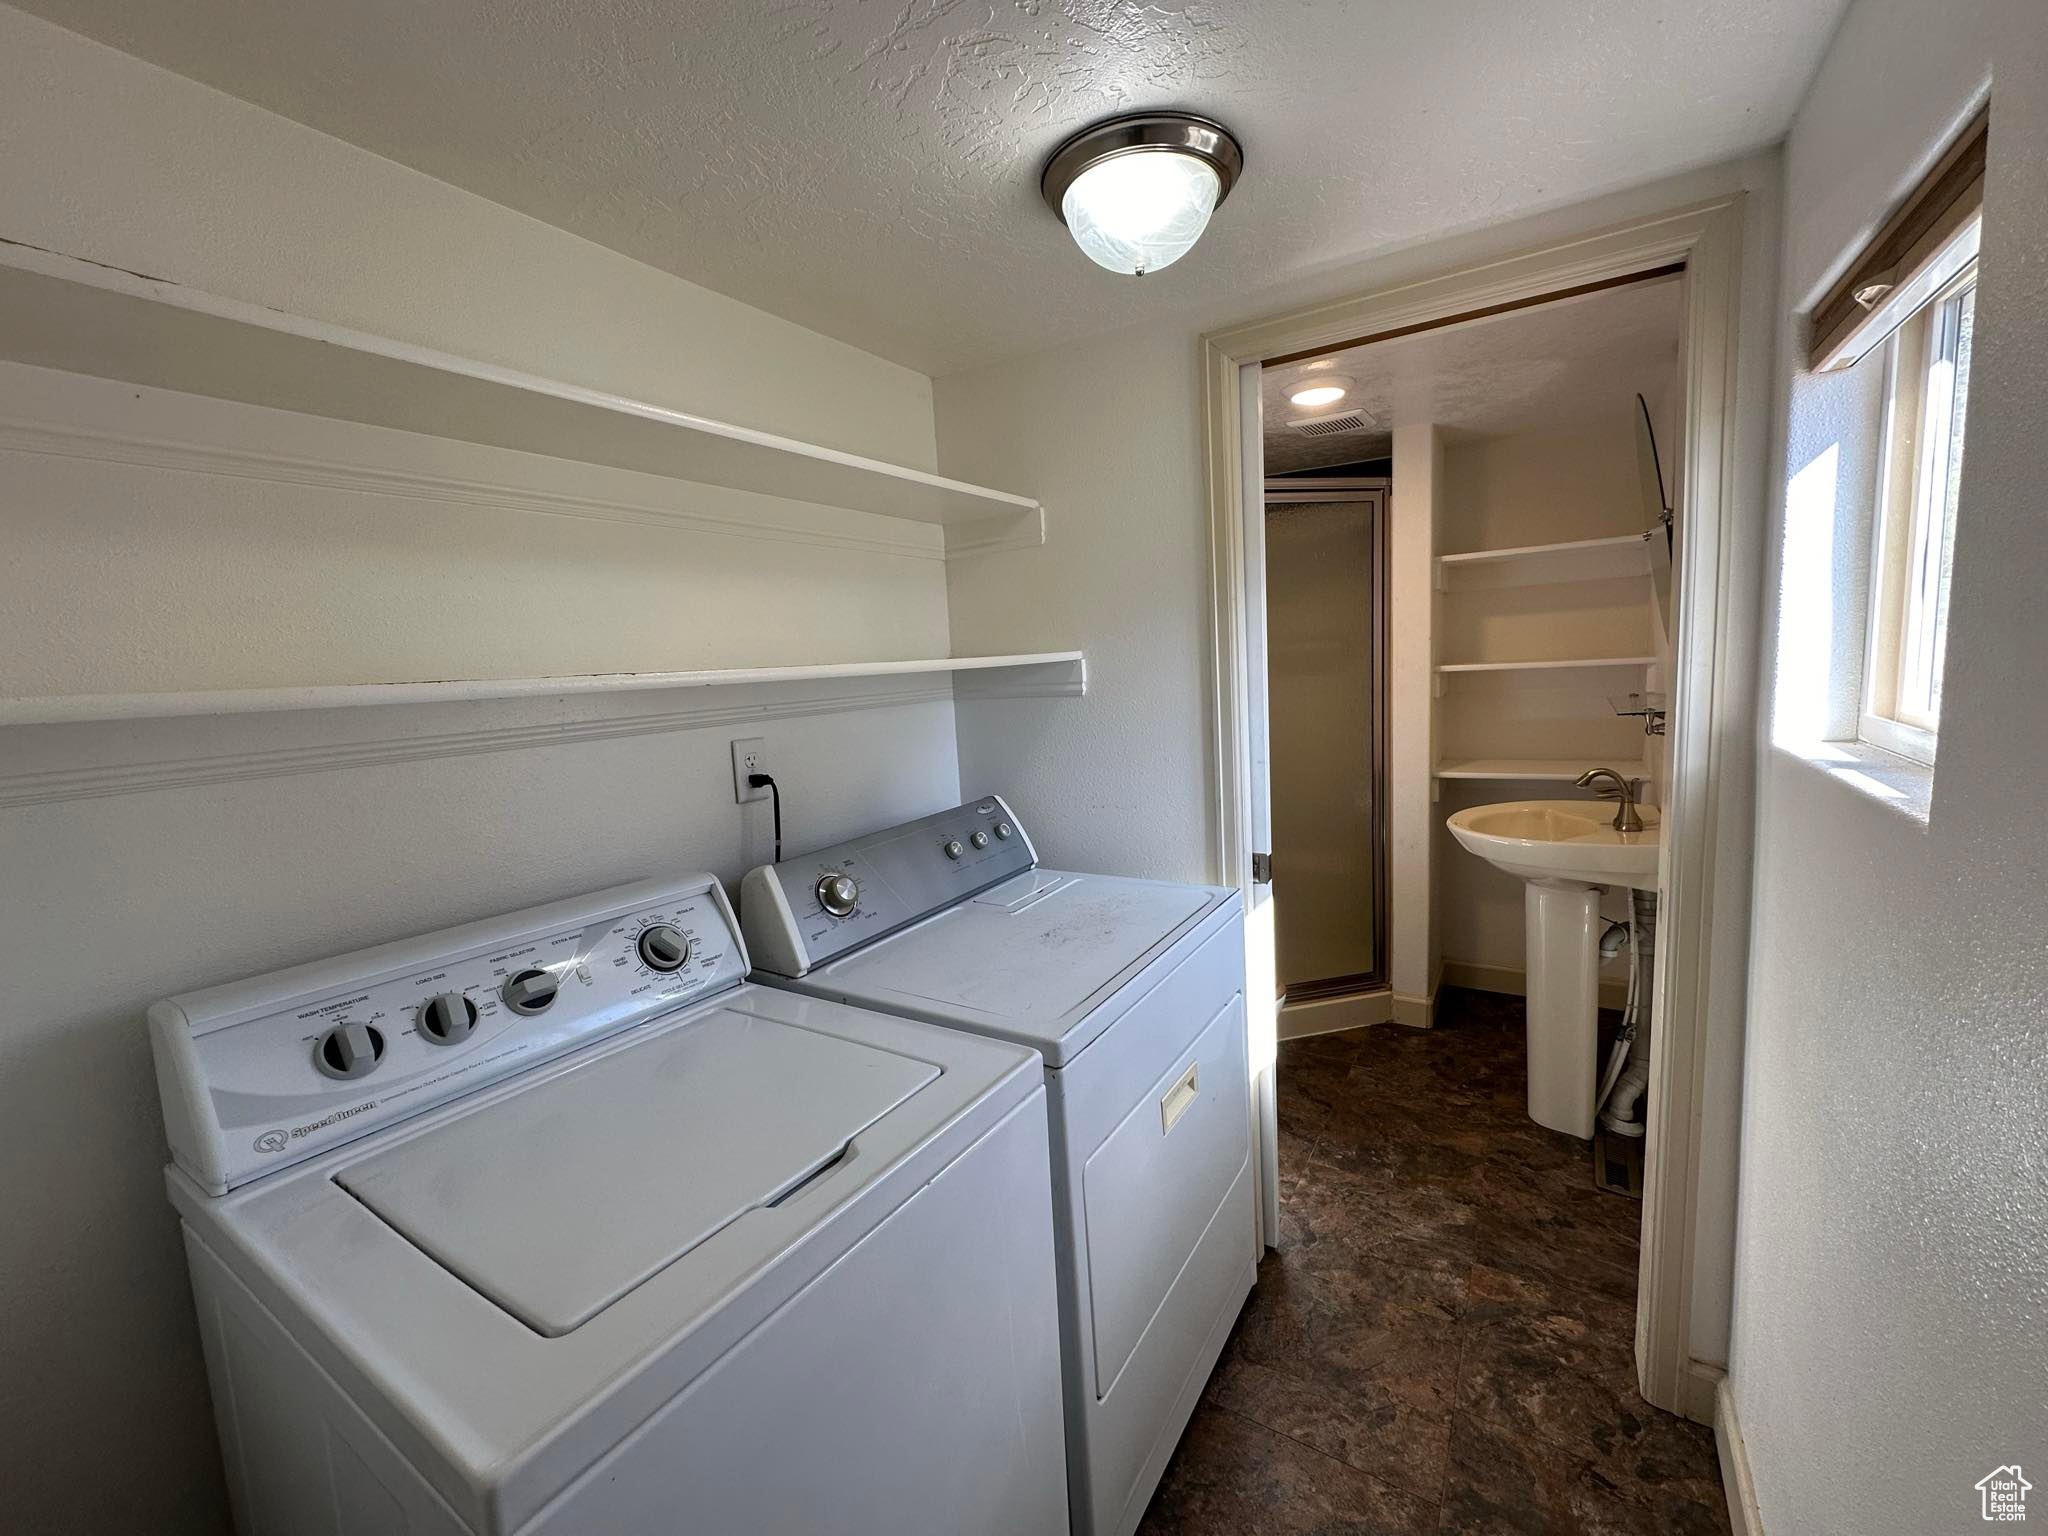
[953, 850]
[447, 1018]
[839, 895]
[349, 1050]
[663, 947]
[979, 839]
[1003, 831]
[531, 992]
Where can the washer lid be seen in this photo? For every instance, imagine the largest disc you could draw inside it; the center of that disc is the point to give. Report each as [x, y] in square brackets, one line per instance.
[558, 1201]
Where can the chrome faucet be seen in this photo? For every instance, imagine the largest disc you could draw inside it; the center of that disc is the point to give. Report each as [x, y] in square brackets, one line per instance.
[1625, 819]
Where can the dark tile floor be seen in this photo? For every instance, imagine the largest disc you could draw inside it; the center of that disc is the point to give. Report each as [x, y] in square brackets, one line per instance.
[1442, 1342]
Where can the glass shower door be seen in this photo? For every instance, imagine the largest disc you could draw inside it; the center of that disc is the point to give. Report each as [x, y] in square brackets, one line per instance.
[1325, 709]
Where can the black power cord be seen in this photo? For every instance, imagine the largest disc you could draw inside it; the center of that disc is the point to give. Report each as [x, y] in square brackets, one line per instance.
[763, 781]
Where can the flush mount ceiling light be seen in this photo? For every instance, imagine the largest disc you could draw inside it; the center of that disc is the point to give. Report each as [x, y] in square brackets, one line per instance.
[1136, 192]
[1324, 389]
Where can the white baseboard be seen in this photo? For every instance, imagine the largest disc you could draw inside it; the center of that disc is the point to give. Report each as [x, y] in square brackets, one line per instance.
[1481, 977]
[1699, 1390]
[1415, 1012]
[1744, 1519]
[1328, 1015]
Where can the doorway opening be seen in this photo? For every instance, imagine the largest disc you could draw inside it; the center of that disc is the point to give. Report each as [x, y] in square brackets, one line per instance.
[1699, 247]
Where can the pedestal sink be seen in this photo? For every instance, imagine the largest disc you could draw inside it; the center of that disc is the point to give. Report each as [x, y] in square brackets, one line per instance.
[1564, 850]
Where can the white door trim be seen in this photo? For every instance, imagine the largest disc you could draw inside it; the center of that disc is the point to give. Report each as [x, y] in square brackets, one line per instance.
[1706, 239]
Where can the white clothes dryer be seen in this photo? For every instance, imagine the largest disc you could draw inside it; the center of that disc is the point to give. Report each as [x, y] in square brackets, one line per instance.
[1133, 993]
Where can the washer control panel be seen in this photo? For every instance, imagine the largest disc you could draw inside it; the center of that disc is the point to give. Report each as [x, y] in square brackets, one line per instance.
[805, 911]
[260, 1074]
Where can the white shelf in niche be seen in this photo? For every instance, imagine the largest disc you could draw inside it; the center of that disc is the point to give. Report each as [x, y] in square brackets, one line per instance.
[1534, 770]
[1530, 565]
[1536, 670]
[61, 312]
[1568, 664]
[1047, 673]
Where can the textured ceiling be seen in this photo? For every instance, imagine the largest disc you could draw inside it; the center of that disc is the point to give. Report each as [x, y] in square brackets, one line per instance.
[870, 169]
[1556, 368]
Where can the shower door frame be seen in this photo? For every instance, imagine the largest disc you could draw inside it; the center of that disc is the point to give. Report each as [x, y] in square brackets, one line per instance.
[1376, 491]
[1699, 1000]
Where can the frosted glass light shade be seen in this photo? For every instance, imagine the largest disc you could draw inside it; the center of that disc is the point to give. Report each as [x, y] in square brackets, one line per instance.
[1136, 213]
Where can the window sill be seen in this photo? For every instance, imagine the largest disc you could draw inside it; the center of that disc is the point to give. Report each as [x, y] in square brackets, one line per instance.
[1896, 783]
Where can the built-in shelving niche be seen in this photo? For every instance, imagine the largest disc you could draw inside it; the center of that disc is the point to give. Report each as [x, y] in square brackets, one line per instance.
[1545, 720]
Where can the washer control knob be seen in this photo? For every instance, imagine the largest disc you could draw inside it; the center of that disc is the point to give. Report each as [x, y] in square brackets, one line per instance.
[839, 895]
[447, 1018]
[980, 839]
[349, 1050]
[1003, 831]
[530, 992]
[953, 850]
[663, 947]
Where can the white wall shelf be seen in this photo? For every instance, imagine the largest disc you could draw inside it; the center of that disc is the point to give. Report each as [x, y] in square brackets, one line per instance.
[1533, 770]
[1535, 669]
[1052, 673]
[1569, 664]
[61, 312]
[1605, 559]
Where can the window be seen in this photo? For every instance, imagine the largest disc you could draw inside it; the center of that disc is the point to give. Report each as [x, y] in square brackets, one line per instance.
[1926, 410]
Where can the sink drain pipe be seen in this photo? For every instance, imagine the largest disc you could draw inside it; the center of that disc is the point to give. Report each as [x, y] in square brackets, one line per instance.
[1627, 1077]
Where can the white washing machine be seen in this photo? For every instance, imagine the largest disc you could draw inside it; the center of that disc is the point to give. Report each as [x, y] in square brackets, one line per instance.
[551, 1223]
[1133, 992]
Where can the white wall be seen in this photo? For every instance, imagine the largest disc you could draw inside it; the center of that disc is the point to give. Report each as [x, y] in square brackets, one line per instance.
[162, 542]
[1109, 439]
[1891, 1300]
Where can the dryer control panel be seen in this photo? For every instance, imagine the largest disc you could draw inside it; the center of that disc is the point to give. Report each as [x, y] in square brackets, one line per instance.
[260, 1074]
[810, 909]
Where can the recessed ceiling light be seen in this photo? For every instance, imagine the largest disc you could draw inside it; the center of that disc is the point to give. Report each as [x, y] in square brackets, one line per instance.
[1326, 389]
[1136, 192]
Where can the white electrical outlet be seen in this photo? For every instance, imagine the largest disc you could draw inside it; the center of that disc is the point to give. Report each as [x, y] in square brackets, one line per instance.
[749, 756]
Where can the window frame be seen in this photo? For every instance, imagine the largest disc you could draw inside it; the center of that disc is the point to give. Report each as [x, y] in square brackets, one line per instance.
[1908, 617]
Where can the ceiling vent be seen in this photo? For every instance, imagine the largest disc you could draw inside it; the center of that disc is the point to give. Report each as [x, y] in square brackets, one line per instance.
[1332, 426]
